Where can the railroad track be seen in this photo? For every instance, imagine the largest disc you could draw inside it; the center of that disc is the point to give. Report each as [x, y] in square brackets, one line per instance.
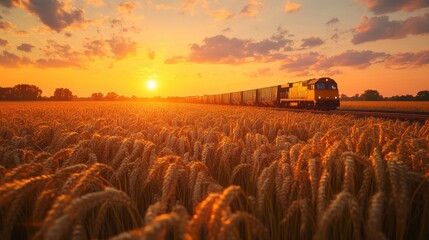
[400, 115]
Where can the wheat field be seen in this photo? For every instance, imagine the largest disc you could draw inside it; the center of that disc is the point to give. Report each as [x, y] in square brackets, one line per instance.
[189, 171]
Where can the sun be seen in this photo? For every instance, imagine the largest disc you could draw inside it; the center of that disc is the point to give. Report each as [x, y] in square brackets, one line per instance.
[151, 84]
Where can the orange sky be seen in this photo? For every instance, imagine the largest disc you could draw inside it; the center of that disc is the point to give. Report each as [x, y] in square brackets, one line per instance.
[196, 47]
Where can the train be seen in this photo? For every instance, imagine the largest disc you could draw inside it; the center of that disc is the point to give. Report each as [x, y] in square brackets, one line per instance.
[317, 93]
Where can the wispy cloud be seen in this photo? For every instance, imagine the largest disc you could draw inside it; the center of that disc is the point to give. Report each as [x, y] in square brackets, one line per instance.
[389, 6]
[333, 21]
[252, 8]
[221, 14]
[311, 42]
[127, 6]
[291, 7]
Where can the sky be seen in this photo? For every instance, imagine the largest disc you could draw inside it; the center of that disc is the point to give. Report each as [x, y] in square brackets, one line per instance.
[197, 47]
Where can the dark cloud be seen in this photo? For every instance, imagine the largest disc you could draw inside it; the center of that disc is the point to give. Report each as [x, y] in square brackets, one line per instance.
[311, 42]
[54, 14]
[3, 42]
[8, 3]
[25, 47]
[332, 21]
[68, 34]
[408, 60]
[376, 28]
[389, 6]
[221, 49]
[175, 60]
[10, 60]
[228, 29]
[122, 47]
[351, 58]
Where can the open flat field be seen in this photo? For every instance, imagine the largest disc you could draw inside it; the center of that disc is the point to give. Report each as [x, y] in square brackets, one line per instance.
[414, 106]
[97, 170]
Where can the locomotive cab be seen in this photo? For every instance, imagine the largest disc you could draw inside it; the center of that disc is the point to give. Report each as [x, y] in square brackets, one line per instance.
[324, 93]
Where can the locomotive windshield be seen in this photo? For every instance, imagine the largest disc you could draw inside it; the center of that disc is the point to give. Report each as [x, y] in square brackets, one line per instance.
[331, 86]
[326, 86]
[320, 86]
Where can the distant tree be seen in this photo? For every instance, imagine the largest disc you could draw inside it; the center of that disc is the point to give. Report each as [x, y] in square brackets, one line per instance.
[111, 96]
[6, 93]
[371, 95]
[423, 95]
[97, 96]
[344, 97]
[62, 94]
[26, 92]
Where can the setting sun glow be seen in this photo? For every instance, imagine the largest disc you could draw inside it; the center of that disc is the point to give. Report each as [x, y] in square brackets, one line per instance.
[151, 84]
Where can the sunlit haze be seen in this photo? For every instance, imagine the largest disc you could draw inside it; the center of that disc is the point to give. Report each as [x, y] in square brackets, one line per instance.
[196, 47]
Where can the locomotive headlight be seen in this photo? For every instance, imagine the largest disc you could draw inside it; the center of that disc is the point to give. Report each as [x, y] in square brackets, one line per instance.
[320, 97]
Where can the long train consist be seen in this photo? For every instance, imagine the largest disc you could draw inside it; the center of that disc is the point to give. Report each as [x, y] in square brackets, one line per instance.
[321, 93]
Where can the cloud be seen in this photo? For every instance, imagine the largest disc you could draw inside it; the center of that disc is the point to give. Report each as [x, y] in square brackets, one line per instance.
[10, 60]
[228, 29]
[300, 62]
[5, 25]
[377, 28]
[127, 6]
[221, 49]
[9, 3]
[53, 13]
[175, 60]
[3, 42]
[389, 6]
[190, 5]
[95, 48]
[408, 60]
[122, 47]
[351, 58]
[311, 42]
[25, 47]
[220, 14]
[291, 7]
[252, 8]
[332, 21]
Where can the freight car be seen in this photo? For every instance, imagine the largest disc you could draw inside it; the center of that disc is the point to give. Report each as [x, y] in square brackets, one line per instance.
[320, 93]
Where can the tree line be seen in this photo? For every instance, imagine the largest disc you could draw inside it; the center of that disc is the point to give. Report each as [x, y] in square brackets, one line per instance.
[374, 95]
[27, 92]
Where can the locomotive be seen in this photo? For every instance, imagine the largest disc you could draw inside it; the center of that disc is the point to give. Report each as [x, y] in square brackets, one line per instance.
[320, 93]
